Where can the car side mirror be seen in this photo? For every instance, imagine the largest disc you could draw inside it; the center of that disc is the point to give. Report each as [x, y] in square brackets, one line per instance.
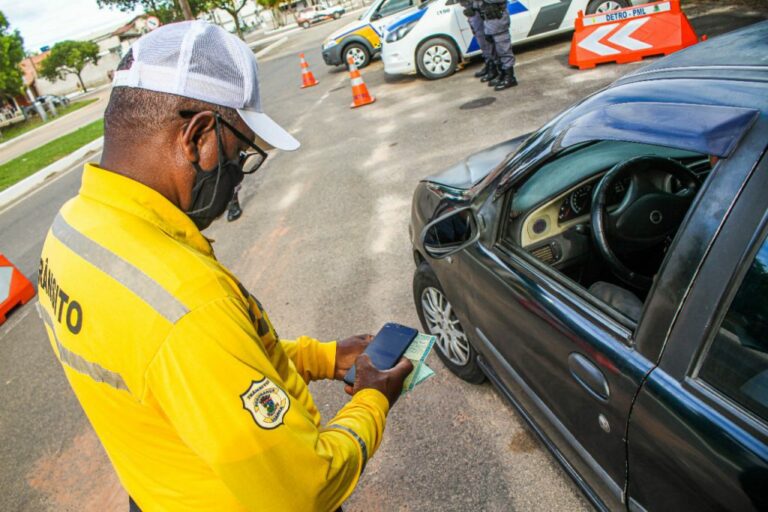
[450, 233]
[375, 16]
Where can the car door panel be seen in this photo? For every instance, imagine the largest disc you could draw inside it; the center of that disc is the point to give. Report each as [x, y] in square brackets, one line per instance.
[690, 445]
[536, 330]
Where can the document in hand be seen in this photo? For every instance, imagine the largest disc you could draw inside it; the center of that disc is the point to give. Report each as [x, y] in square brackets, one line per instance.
[417, 352]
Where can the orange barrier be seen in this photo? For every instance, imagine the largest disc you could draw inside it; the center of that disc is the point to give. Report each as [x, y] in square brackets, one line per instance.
[307, 78]
[360, 95]
[628, 35]
[15, 289]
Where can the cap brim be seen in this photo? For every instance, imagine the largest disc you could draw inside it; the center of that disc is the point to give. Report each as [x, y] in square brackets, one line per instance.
[268, 130]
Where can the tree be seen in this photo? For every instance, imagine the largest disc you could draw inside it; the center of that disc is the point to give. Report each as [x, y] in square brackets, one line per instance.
[274, 7]
[11, 55]
[167, 11]
[233, 8]
[69, 58]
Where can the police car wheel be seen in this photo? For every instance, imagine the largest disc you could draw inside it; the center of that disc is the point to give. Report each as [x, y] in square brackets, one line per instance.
[437, 58]
[437, 318]
[598, 6]
[359, 54]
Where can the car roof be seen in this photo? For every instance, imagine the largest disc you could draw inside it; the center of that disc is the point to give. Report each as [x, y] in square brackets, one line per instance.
[741, 50]
[719, 98]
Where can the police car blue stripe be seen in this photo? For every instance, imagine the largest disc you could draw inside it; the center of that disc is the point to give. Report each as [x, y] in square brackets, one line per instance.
[514, 7]
[411, 17]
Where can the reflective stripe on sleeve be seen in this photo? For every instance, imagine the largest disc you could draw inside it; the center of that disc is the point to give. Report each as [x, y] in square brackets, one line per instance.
[120, 270]
[359, 440]
[80, 364]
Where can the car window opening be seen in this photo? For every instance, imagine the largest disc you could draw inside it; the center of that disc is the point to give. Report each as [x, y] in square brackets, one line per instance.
[644, 194]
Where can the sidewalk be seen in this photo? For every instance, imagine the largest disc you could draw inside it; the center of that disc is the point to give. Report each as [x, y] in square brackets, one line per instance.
[19, 190]
[62, 126]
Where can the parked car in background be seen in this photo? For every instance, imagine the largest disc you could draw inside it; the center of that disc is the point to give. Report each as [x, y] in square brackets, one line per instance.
[361, 39]
[56, 100]
[436, 38]
[609, 275]
[318, 13]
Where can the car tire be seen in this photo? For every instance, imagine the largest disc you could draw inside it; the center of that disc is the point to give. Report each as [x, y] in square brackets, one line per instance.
[305, 24]
[357, 51]
[456, 352]
[597, 6]
[336, 15]
[437, 58]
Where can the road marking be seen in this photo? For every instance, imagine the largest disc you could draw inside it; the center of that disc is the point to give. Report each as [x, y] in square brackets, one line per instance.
[19, 315]
[622, 36]
[593, 44]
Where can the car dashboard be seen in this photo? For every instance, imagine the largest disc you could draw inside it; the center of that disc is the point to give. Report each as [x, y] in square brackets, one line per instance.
[557, 231]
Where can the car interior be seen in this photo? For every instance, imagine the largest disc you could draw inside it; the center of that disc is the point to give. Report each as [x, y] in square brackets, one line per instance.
[604, 213]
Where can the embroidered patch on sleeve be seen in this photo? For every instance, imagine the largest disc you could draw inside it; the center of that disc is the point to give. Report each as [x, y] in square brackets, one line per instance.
[266, 402]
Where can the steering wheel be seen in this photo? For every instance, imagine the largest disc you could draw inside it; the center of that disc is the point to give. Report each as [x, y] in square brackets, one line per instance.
[646, 216]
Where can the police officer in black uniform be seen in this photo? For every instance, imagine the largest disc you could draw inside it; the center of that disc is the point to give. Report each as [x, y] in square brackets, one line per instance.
[496, 25]
[473, 12]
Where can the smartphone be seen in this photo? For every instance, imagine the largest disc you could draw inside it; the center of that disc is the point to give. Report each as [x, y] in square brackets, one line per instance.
[387, 348]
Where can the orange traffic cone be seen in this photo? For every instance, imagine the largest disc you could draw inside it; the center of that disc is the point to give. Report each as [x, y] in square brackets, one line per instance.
[360, 94]
[307, 78]
[15, 289]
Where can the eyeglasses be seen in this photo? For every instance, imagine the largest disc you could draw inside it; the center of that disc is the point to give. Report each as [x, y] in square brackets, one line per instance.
[249, 161]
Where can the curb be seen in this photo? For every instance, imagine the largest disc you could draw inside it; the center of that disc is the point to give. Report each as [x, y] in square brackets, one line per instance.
[28, 184]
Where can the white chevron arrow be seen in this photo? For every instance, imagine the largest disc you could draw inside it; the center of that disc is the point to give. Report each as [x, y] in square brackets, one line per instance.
[6, 273]
[622, 36]
[593, 44]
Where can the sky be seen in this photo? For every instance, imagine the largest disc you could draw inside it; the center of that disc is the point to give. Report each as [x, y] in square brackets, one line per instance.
[45, 22]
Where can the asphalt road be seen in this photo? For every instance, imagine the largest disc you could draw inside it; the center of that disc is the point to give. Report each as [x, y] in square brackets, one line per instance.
[323, 243]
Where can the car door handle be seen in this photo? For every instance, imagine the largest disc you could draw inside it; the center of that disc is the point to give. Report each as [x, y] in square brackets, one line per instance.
[589, 376]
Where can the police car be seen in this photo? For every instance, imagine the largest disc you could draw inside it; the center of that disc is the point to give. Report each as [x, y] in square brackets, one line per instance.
[362, 38]
[436, 37]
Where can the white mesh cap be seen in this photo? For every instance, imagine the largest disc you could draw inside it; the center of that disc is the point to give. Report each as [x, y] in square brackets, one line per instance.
[202, 61]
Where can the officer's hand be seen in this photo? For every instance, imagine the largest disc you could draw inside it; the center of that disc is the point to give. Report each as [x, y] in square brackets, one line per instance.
[389, 382]
[347, 351]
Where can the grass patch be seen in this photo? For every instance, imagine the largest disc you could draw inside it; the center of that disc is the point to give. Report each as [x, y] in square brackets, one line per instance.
[31, 162]
[10, 132]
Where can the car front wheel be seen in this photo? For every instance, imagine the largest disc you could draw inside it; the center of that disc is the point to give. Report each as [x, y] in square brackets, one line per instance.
[439, 319]
[359, 54]
[599, 6]
[437, 58]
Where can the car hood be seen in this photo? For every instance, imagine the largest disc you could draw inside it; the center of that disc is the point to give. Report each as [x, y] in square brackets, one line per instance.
[475, 167]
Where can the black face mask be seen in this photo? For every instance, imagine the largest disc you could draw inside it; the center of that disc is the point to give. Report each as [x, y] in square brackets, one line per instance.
[213, 189]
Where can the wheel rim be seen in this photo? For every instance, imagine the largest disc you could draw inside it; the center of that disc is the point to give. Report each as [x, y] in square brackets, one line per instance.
[442, 322]
[608, 6]
[437, 59]
[357, 54]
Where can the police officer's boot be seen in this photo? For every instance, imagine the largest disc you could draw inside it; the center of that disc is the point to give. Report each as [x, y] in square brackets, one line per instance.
[506, 80]
[483, 71]
[498, 77]
[493, 72]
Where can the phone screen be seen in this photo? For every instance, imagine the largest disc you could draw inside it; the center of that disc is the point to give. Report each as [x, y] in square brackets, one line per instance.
[387, 348]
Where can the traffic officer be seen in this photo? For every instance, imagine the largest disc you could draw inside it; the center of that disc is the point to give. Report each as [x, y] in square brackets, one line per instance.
[197, 401]
[473, 12]
[496, 26]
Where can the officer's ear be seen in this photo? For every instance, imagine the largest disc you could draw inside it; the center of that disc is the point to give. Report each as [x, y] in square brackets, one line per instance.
[198, 139]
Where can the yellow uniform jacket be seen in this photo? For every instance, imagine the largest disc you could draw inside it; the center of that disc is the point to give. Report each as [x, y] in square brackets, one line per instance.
[198, 403]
